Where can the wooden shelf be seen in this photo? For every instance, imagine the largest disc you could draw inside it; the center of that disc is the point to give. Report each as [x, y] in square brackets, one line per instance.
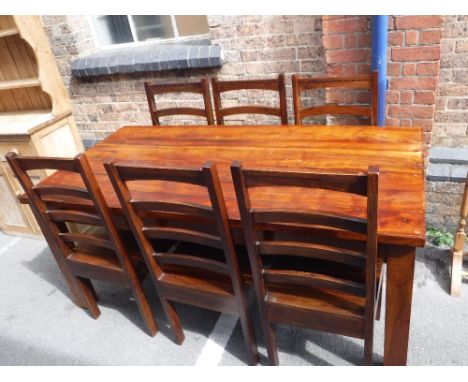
[22, 83]
[9, 32]
[21, 123]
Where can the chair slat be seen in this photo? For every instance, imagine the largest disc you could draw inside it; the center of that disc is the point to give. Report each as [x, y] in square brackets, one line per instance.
[181, 111]
[316, 251]
[62, 191]
[74, 217]
[49, 163]
[310, 279]
[250, 110]
[129, 173]
[355, 183]
[305, 218]
[84, 239]
[193, 261]
[336, 110]
[178, 208]
[183, 235]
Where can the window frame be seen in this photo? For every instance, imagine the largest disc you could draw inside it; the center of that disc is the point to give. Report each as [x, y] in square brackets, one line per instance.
[177, 38]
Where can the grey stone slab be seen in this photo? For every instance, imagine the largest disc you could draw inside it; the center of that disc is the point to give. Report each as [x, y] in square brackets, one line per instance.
[438, 172]
[148, 58]
[203, 56]
[453, 155]
[458, 173]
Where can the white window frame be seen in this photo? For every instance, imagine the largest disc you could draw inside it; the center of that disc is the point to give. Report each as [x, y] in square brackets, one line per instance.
[135, 41]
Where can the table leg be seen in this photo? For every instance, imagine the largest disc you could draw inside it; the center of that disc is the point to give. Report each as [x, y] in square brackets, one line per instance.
[400, 274]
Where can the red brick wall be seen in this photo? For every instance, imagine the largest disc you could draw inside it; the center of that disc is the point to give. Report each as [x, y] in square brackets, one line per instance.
[413, 62]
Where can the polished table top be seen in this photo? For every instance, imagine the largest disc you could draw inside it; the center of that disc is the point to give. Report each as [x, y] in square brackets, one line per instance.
[397, 151]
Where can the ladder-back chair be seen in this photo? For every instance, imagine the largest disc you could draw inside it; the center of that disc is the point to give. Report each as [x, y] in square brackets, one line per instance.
[93, 248]
[301, 84]
[203, 270]
[326, 272]
[199, 87]
[276, 84]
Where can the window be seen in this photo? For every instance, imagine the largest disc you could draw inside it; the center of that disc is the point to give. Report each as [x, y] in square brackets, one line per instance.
[121, 29]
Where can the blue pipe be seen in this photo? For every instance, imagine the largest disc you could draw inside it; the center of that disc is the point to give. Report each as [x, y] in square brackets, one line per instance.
[379, 31]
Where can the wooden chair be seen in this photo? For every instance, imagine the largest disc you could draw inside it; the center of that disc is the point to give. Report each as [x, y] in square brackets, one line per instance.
[94, 248]
[458, 273]
[300, 85]
[326, 274]
[204, 269]
[277, 85]
[199, 87]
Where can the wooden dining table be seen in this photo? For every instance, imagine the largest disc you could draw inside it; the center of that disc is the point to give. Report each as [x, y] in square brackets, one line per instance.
[397, 151]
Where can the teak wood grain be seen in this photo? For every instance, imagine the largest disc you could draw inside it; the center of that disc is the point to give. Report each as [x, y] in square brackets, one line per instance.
[398, 152]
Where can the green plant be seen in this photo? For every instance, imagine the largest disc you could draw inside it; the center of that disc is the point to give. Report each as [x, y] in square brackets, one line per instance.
[439, 237]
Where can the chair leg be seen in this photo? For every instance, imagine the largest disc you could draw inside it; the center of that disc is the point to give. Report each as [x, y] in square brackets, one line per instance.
[144, 308]
[173, 319]
[369, 348]
[456, 273]
[249, 337]
[89, 293]
[270, 340]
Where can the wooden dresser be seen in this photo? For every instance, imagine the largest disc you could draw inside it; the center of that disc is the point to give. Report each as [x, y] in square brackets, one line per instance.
[35, 112]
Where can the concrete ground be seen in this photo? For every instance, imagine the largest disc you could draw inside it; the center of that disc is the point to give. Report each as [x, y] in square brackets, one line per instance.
[39, 325]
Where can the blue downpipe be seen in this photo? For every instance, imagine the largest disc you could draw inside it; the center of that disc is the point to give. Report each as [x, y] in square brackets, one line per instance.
[379, 32]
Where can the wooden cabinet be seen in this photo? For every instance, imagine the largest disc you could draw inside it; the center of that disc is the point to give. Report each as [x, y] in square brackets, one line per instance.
[35, 112]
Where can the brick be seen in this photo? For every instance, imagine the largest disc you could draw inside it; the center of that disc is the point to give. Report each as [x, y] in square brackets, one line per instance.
[356, 24]
[410, 111]
[350, 41]
[417, 22]
[425, 98]
[430, 37]
[333, 42]
[393, 96]
[425, 124]
[457, 104]
[392, 121]
[394, 69]
[352, 55]
[364, 40]
[411, 37]
[461, 46]
[427, 69]
[428, 53]
[409, 69]
[411, 83]
[309, 52]
[395, 38]
[406, 97]
[406, 122]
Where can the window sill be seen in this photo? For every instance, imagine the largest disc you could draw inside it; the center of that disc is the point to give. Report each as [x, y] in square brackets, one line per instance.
[148, 58]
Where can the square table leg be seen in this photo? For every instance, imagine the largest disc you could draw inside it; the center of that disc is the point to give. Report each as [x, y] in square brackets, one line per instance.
[400, 275]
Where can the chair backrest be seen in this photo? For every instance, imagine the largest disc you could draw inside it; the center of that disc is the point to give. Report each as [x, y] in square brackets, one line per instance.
[330, 237]
[198, 87]
[154, 219]
[56, 206]
[275, 84]
[300, 85]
